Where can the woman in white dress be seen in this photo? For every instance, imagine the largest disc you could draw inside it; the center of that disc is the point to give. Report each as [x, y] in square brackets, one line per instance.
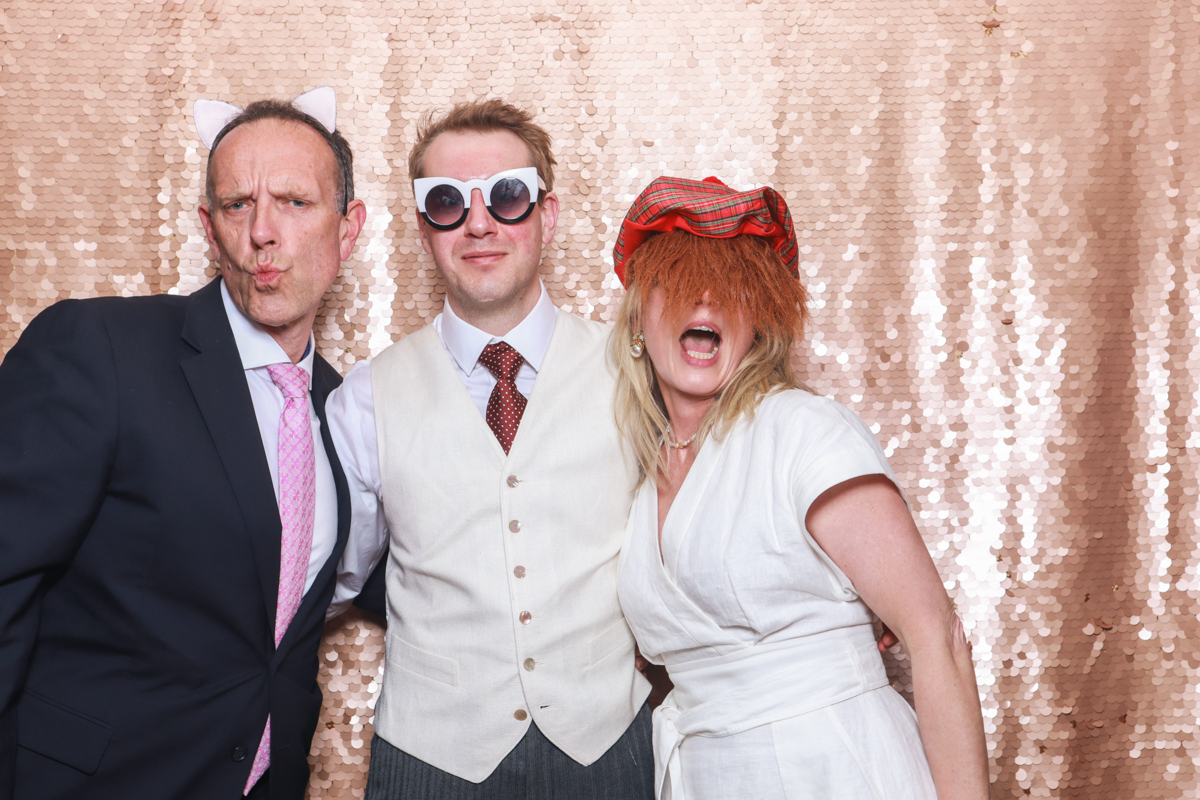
[767, 529]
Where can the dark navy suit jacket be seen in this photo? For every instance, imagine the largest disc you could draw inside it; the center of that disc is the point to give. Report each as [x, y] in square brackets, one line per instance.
[139, 561]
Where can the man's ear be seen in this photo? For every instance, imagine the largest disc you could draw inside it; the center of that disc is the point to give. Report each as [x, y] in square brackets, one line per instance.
[549, 211]
[352, 225]
[423, 232]
[210, 231]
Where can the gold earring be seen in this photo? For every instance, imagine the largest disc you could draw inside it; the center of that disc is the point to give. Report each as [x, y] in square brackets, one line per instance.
[637, 346]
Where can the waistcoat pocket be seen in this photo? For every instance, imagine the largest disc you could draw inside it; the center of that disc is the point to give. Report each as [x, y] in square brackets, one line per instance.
[604, 645]
[428, 665]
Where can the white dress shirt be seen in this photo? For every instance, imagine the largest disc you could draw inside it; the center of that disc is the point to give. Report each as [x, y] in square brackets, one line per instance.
[258, 350]
[351, 413]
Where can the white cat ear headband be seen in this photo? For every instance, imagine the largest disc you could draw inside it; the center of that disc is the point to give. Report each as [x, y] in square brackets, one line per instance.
[212, 116]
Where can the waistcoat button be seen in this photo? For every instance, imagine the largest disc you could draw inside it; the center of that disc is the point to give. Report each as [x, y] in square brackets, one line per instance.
[525, 617]
[512, 481]
[514, 526]
[529, 665]
[520, 715]
[238, 754]
[519, 572]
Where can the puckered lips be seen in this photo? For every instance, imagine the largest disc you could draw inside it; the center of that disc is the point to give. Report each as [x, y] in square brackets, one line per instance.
[266, 271]
[700, 343]
[267, 278]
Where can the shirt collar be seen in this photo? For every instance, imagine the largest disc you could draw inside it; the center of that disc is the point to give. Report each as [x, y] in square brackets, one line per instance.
[530, 338]
[256, 347]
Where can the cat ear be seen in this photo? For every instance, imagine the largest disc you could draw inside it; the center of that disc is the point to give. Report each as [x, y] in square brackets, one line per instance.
[321, 105]
[211, 117]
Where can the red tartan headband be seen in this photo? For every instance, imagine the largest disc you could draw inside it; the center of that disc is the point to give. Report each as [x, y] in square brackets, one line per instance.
[707, 208]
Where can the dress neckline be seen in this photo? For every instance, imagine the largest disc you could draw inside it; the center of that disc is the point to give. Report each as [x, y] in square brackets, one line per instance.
[678, 522]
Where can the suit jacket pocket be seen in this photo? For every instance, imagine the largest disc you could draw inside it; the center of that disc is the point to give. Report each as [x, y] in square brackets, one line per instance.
[57, 732]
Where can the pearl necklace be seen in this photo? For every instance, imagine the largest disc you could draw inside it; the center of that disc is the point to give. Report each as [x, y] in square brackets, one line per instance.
[679, 445]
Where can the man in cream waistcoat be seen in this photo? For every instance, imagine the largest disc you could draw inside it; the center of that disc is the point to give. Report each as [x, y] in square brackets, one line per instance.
[484, 462]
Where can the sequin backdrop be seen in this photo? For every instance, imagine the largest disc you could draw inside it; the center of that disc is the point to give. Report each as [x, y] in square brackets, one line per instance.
[999, 219]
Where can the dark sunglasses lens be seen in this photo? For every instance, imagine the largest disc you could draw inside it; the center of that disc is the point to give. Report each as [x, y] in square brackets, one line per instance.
[444, 205]
[510, 198]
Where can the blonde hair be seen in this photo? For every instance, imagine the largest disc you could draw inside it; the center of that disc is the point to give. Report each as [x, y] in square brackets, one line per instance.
[484, 116]
[750, 280]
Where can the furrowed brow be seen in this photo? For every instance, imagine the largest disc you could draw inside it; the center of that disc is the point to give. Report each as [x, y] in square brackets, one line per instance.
[295, 190]
[235, 193]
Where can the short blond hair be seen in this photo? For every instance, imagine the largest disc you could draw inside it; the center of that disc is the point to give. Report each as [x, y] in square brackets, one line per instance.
[484, 116]
[762, 284]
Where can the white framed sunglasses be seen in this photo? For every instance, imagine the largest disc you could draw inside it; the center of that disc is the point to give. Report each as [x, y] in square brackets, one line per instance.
[509, 196]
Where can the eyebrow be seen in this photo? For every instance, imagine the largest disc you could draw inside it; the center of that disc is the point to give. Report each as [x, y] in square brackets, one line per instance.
[239, 191]
[286, 188]
[290, 188]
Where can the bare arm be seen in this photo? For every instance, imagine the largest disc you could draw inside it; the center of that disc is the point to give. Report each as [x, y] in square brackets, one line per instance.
[865, 527]
[660, 682]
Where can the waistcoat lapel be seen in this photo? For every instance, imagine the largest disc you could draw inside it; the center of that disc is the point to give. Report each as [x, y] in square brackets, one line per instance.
[451, 390]
[556, 360]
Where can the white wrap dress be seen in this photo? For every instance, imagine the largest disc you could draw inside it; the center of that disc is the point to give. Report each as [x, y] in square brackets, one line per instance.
[780, 691]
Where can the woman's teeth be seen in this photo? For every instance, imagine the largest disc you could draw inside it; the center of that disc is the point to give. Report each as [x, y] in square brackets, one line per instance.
[697, 341]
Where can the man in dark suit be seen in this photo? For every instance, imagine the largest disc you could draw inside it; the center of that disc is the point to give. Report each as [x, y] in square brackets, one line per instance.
[172, 510]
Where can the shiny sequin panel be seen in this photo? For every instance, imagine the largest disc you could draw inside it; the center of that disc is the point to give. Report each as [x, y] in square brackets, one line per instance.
[999, 221]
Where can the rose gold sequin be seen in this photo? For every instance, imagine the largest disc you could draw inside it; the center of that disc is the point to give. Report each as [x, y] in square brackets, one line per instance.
[999, 218]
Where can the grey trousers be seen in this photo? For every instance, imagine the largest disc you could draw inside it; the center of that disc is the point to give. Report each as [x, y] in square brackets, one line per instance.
[535, 770]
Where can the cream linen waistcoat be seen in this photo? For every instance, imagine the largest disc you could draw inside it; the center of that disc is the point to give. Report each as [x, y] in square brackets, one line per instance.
[502, 570]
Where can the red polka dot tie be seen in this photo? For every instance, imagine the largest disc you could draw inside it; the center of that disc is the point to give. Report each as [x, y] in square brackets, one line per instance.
[506, 405]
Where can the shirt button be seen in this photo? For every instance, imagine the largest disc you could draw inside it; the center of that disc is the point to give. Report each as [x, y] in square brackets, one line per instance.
[529, 664]
[514, 526]
[512, 481]
[520, 715]
[519, 572]
[525, 617]
[238, 754]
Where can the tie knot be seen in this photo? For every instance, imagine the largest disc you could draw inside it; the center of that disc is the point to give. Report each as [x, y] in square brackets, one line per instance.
[501, 360]
[292, 380]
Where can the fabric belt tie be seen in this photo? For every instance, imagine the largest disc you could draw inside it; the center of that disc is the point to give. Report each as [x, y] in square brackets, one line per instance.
[774, 682]
[506, 404]
[297, 512]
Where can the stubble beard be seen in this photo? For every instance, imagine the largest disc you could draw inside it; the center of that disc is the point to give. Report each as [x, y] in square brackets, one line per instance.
[487, 298]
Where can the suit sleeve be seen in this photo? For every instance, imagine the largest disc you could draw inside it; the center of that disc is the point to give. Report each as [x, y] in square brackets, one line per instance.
[58, 423]
[373, 596]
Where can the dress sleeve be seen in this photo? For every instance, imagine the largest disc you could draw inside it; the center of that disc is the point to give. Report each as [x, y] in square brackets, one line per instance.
[831, 445]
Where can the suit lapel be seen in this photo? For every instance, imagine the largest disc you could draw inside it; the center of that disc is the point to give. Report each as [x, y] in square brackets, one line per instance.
[325, 380]
[218, 384]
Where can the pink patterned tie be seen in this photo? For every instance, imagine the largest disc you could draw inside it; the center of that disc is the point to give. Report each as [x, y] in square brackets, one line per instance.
[297, 508]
